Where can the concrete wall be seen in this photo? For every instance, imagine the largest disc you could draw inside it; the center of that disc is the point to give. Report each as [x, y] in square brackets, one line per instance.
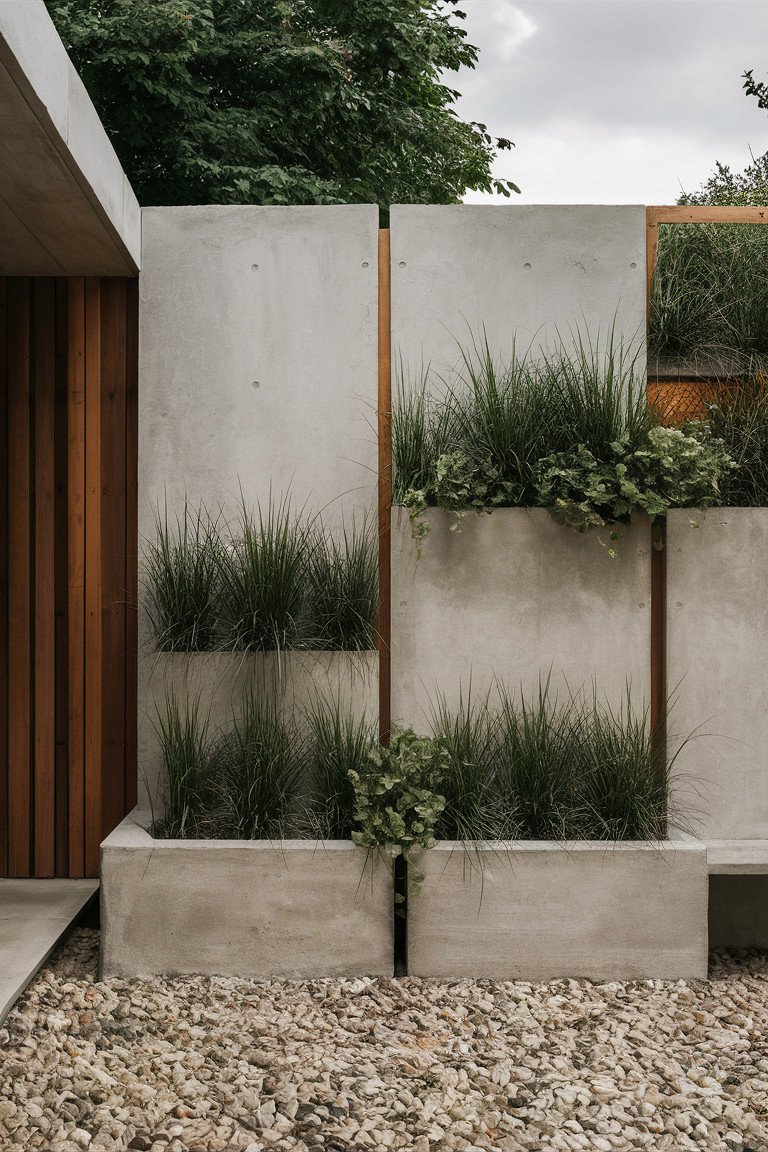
[243, 908]
[66, 207]
[221, 681]
[517, 595]
[717, 597]
[524, 272]
[257, 354]
[540, 911]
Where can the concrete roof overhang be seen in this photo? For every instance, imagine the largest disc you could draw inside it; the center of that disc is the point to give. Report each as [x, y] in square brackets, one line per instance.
[66, 207]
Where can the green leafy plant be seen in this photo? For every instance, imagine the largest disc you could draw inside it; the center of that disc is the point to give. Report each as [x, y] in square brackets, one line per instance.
[263, 579]
[182, 566]
[343, 588]
[396, 799]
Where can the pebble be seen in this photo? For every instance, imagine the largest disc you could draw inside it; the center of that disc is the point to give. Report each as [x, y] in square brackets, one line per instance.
[199, 1064]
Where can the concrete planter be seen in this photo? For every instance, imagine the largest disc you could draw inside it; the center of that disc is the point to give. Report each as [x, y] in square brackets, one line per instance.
[294, 908]
[535, 910]
[517, 596]
[221, 680]
[717, 597]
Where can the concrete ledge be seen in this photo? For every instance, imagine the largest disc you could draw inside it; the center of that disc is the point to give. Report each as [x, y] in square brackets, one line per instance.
[538, 910]
[737, 857]
[293, 908]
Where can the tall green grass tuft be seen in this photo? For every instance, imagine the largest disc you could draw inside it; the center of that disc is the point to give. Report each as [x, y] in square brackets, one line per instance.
[343, 588]
[260, 764]
[710, 292]
[338, 744]
[183, 566]
[187, 750]
[740, 420]
[262, 579]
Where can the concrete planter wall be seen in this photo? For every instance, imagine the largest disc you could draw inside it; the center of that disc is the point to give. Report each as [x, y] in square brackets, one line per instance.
[516, 595]
[294, 908]
[535, 910]
[221, 680]
[717, 595]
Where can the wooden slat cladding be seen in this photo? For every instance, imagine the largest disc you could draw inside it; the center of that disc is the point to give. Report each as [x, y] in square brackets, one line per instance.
[68, 462]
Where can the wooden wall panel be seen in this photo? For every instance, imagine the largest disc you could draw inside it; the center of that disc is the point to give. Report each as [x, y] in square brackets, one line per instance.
[68, 558]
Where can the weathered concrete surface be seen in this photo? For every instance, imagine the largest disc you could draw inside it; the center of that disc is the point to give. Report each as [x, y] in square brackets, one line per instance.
[220, 682]
[534, 910]
[35, 916]
[717, 598]
[66, 206]
[738, 911]
[523, 273]
[242, 908]
[516, 595]
[257, 360]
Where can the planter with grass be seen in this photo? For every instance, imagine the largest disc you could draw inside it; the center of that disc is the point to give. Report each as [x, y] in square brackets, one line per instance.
[249, 869]
[539, 846]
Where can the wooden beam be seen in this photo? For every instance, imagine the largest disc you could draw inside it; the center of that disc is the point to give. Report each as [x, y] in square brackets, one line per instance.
[385, 482]
[61, 584]
[131, 543]
[94, 653]
[4, 827]
[76, 574]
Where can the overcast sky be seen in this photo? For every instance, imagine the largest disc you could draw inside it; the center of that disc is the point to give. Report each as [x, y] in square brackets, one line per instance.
[615, 101]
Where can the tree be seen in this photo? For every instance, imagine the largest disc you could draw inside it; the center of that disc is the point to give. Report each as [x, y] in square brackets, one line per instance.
[747, 187]
[282, 101]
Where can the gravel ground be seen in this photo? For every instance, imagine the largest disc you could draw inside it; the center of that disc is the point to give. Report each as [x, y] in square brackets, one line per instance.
[213, 1064]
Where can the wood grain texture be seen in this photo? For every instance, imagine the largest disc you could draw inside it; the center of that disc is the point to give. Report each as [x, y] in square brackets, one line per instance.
[20, 605]
[76, 575]
[44, 343]
[94, 666]
[131, 542]
[61, 595]
[385, 483]
[3, 586]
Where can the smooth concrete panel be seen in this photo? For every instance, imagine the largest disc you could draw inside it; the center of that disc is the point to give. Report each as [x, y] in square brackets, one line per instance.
[517, 596]
[738, 912]
[221, 681]
[522, 273]
[534, 910]
[258, 342]
[292, 908]
[717, 609]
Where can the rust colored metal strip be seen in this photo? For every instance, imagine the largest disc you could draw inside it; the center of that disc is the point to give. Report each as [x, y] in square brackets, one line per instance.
[659, 642]
[385, 483]
[131, 542]
[3, 586]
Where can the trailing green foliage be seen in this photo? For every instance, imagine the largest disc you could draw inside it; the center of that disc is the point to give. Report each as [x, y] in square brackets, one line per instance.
[570, 431]
[396, 799]
[183, 566]
[343, 588]
[268, 581]
[282, 101]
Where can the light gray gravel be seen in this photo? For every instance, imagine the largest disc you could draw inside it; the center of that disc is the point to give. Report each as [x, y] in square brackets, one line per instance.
[212, 1064]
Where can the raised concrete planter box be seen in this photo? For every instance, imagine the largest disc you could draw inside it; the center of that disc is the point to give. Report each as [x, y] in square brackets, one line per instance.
[535, 910]
[517, 596]
[717, 597]
[220, 681]
[293, 908]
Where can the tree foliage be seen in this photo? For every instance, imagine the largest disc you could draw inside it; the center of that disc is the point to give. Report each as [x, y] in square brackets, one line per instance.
[739, 188]
[282, 101]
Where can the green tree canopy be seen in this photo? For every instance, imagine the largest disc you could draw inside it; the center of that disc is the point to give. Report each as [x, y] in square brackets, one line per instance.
[747, 187]
[282, 101]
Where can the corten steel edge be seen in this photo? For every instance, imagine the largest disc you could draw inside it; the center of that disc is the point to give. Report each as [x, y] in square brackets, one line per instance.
[656, 215]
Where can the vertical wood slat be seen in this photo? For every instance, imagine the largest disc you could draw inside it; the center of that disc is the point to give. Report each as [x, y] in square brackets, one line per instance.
[131, 543]
[112, 468]
[61, 578]
[76, 574]
[19, 582]
[94, 669]
[385, 481]
[4, 824]
[44, 338]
